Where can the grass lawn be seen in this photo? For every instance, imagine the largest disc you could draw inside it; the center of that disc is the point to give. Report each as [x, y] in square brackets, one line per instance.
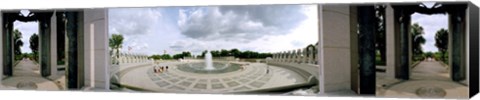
[378, 60]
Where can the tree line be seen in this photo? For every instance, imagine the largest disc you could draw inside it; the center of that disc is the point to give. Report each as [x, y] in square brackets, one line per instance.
[237, 53]
[116, 41]
[216, 53]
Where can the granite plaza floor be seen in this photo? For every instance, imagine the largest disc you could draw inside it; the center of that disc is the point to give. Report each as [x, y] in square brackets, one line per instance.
[428, 79]
[26, 76]
[252, 77]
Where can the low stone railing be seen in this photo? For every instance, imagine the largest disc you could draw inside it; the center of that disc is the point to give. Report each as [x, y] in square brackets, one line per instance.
[123, 62]
[306, 55]
[303, 61]
[125, 58]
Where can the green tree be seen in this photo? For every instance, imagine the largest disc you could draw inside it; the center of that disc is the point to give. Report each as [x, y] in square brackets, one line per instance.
[380, 37]
[34, 46]
[182, 55]
[235, 52]
[429, 54]
[166, 56]
[156, 57]
[177, 56]
[115, 42]
[224, 53]
[203, 53]
[417, 39]
[441, 42]
[215, 53]
[248, 54]
[17, 39]
[187, 54]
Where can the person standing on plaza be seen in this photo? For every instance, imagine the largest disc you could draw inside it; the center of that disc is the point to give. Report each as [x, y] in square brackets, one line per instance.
[268, 69]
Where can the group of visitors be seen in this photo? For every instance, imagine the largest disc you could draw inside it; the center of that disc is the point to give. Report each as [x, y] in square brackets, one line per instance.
[160, 69]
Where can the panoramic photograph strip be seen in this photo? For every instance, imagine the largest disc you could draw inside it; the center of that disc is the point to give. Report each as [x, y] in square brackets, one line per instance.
[215, 49]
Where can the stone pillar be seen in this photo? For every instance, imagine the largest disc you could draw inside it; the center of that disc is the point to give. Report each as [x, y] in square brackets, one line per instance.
[7, 45]
[274, 57]
[129, 58]
[1, 46]
[472, 45]
[334, 48]
[467, 45]
[45, 38]
[354, 50]
[282, 56]
[292, 56]
[88, 51]
[366, 37]
[295, 56]
[457, 40]
[310, 55]
[305, 56]
[402, 19]
[96, 43]
[126, 58]
[135, 57]
[391, 42]
[74, 69]
[122, 58]
[53, 45]
[286, 55]
[299, 56]
[279, 57]
[315, 55]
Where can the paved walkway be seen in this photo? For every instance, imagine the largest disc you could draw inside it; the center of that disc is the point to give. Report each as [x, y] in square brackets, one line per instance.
[253, 77]
[26, 76]
[429, 79]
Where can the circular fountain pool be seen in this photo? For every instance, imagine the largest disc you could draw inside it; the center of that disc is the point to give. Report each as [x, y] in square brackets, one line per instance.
[201, 67]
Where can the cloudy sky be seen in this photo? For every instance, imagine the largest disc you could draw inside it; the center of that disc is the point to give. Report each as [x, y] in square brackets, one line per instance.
[265, 28]
[27, 29]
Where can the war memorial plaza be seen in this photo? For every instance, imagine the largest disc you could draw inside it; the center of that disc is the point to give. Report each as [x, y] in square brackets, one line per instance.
[341, 64]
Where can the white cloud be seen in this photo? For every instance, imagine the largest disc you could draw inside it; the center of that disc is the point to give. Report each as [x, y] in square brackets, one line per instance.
[130, 21]
[239, 23]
